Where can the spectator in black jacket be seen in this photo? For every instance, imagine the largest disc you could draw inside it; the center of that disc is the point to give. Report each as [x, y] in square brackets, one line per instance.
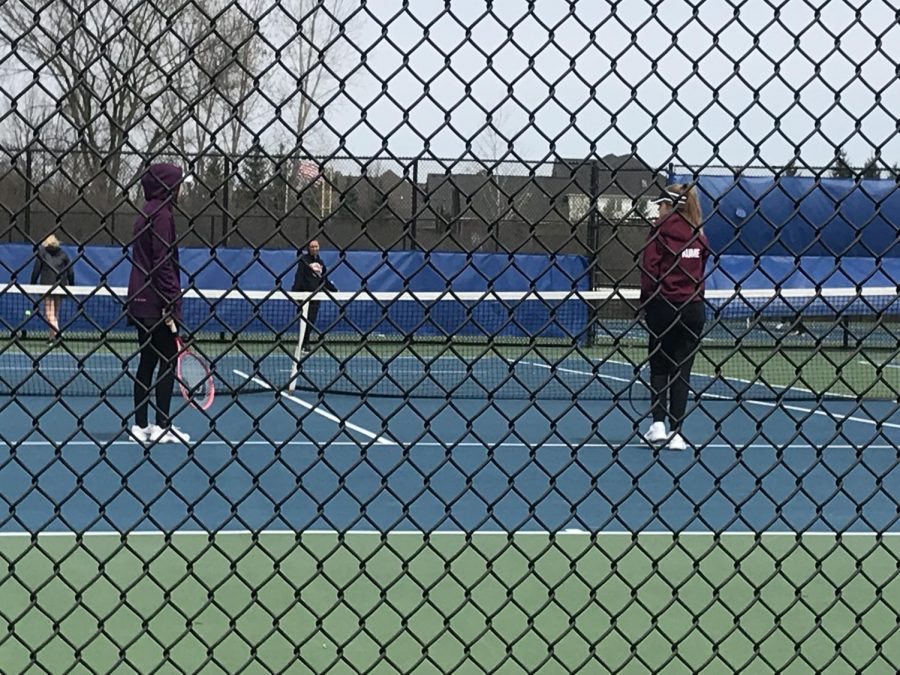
[53, 268]
[312, 276]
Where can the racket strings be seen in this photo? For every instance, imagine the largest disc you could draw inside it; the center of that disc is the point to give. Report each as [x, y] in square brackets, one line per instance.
[195, 379]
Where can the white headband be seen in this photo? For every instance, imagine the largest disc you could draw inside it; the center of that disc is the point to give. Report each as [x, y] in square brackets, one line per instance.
[670, 197]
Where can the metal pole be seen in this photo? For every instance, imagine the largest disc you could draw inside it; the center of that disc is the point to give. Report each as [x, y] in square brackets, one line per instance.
[226, 198]
[594, 224]
[414, 216]
[29, 189]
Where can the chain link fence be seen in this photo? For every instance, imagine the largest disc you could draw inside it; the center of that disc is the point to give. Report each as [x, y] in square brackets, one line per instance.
[595, 368]
[276, 201]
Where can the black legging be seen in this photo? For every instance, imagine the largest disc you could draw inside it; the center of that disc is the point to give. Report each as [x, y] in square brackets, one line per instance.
[157, 347]
[312, 313]
[674, 337]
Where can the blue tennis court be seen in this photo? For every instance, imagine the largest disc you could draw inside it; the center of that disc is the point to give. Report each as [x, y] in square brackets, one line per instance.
[295, 462]
[493, 492]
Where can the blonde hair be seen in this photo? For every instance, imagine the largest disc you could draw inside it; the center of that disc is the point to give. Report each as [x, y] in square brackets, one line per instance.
[690, 205]
[51, 241]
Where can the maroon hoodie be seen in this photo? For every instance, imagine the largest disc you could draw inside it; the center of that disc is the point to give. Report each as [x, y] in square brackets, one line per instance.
[673, 263]
[154, 288]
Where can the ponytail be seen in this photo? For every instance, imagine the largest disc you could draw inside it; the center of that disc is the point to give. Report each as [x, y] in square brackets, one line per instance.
[686, 201]
[689, 207]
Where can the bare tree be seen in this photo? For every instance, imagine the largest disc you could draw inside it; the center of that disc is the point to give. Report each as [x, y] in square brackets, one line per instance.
[311, 39]
[216, 94]
[507, 195]
[35, 128]
[217, 91]
[310, 43]
[89, 59]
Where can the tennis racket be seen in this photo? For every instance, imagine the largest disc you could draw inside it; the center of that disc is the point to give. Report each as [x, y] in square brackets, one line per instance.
[194, 376]
[637, 382]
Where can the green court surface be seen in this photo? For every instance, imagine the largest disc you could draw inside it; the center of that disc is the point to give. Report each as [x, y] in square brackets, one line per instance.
[405, 602]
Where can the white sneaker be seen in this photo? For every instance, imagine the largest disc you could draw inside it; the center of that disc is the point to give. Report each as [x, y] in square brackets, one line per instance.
[657, 434]
[677, 442]
[171, 435]
[142, 434]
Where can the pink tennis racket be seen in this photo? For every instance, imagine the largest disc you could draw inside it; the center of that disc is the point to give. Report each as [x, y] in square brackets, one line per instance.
[194, 377]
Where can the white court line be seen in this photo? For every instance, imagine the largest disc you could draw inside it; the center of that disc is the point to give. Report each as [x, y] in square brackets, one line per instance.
[631, 365]
[834, 417]
[431, 371]
[883, 365]
[766, 404]
[468, 444]
[739, 379]
[570, 370]
[40, 369]
[309, 406]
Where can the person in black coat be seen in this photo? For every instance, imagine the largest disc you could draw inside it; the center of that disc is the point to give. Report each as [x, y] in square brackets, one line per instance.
[312, 276]
[53, 268]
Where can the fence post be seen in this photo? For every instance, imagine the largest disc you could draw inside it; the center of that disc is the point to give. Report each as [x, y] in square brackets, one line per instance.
[456, 210]
[29, 188]
[594, 224]
[226, 198]
[414, 219]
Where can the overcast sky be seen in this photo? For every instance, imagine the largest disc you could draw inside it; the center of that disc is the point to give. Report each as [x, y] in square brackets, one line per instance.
[634, 65]
[652, 93]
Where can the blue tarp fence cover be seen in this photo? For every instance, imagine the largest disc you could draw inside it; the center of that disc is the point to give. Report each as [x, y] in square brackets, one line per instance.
[795, 232]
[225, 268]
[796, 216]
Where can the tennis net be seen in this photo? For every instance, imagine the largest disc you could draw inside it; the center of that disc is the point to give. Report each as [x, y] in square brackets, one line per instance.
[759, 344]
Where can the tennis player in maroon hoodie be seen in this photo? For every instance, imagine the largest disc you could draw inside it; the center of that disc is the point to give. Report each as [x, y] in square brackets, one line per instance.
[673, 270]
[154, 303]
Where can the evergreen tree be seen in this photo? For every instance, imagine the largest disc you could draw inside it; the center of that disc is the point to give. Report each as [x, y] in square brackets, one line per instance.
[840, 167]
[871, 169]
[255, 173]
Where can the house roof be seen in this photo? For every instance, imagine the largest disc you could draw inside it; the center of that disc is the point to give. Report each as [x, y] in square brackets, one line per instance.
[623, 174]
[540, 197]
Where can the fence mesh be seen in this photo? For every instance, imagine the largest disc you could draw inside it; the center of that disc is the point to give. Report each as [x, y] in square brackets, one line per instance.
[352, 337]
